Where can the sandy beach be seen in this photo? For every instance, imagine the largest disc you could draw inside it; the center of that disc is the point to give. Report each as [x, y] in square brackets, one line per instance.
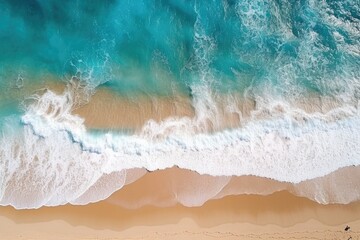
[129, 213]
[278, 216]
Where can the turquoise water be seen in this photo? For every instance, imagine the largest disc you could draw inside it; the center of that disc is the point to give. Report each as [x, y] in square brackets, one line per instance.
[158, 47]
[274, 52]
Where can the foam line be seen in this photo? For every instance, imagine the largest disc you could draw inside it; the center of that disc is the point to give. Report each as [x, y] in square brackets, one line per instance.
[67, 164]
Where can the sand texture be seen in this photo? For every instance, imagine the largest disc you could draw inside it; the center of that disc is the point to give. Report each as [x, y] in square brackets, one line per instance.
[278, 216]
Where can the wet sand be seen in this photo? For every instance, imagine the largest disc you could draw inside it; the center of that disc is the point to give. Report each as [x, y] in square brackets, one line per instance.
[278, 216]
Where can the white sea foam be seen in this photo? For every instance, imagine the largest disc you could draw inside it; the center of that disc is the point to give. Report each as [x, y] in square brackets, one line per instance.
[53, 160]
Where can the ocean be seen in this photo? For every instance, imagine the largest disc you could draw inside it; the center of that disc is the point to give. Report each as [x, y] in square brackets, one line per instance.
[94, 95]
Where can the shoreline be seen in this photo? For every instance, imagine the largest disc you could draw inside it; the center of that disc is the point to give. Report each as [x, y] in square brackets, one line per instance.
[168, 187]
[219, 167]
[245, 216]
[233, 217]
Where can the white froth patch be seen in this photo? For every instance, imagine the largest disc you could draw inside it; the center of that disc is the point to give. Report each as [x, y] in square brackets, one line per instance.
[54, 161]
